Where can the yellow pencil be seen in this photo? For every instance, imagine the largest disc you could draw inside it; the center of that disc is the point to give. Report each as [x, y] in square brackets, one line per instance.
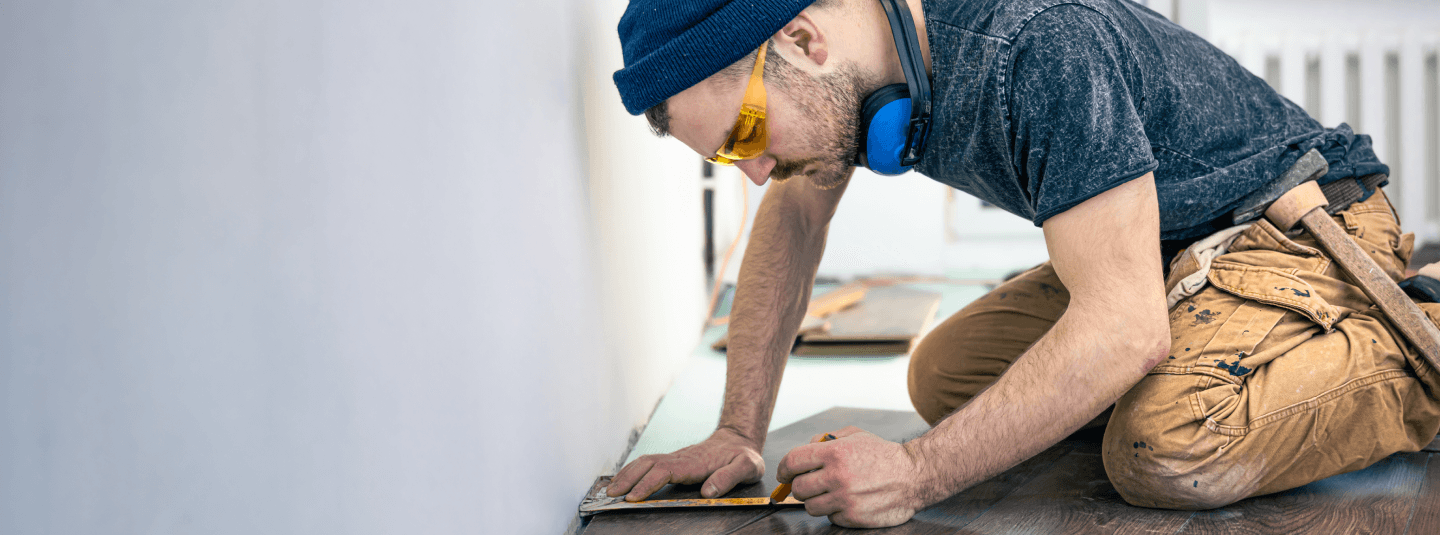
[782, 491]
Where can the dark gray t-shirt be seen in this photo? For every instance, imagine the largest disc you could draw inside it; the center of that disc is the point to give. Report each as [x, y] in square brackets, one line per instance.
[1040, 105]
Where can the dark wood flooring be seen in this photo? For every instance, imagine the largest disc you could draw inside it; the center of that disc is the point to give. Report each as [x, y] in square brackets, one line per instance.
[1064, 490]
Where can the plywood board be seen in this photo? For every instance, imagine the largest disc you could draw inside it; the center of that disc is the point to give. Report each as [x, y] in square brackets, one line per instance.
[886, 322]
[890, 314]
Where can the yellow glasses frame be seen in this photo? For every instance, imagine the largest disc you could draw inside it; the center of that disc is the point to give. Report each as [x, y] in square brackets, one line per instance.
[749, 138]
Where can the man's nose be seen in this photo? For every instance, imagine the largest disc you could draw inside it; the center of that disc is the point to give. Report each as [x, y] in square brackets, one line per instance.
[758, 169]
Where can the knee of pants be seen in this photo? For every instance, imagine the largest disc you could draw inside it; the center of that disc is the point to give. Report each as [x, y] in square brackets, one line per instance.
[942, 377]
[1162, 490]
[1149, 476]
[932, 397]
[967, 352]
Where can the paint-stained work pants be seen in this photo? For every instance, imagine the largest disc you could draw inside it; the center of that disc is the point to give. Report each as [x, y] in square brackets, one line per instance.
[1280, 373]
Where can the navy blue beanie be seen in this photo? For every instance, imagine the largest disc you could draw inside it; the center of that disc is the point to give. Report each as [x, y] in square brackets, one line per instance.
[670, 45]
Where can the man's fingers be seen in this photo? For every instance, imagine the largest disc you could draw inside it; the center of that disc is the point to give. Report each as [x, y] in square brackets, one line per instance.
[728, 476]
[1430, 270]
[657, 477]
[800, 460]
[842, 519]
[626, 478]
[847, 431]
[811, 484]
[822, 505]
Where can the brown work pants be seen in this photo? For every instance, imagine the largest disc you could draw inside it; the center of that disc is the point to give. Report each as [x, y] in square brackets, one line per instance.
[1280, 373]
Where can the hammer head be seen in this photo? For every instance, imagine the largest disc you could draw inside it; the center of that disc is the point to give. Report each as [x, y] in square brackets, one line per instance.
[1310, 166]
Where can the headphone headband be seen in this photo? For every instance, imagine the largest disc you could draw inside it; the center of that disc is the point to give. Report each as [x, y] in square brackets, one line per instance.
[912, 63]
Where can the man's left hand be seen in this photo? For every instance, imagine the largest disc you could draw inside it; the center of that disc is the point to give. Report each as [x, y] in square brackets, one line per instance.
[859, 480]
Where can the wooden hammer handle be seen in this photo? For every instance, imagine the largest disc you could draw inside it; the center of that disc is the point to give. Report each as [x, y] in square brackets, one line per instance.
[1306, 204]
[1403, 313]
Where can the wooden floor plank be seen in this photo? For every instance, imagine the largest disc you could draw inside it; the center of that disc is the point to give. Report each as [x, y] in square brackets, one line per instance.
[945, 517]
[657, 522]
[1378, 499]
[1064, 490]
[1425, 519]
[1074, 496]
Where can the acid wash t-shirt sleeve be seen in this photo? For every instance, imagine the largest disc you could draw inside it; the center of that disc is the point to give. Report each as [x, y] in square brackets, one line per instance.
[1074, 119]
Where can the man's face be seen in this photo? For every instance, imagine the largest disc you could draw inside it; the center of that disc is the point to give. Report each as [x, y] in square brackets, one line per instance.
[812, 121]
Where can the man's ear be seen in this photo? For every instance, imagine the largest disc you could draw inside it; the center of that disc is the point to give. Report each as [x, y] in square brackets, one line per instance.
[802, 38]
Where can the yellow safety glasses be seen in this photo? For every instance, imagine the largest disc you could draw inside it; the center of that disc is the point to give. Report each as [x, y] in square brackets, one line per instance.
[749, 138]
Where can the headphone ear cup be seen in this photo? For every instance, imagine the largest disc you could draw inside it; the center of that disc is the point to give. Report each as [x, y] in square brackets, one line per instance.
[884, 122]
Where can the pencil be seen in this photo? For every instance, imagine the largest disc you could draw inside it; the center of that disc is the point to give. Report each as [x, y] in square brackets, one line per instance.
[782, 490]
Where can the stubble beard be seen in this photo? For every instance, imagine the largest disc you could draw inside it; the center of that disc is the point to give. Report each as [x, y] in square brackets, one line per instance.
[833, 104]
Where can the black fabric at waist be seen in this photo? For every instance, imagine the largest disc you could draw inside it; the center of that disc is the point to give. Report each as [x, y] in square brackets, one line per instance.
[1340, 194]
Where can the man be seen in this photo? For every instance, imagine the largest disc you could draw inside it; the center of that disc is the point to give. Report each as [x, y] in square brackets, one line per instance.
[1127, 139]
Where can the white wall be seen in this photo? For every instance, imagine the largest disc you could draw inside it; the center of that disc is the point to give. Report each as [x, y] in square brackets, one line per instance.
[309, 267]
[648, 220]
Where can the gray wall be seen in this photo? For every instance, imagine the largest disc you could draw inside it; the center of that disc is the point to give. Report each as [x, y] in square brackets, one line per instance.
[298, 267]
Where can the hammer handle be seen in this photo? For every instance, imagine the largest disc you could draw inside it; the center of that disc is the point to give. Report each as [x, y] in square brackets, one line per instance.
[1403, 313]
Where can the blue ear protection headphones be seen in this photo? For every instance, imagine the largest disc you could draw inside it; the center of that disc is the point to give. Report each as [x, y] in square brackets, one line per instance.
[895, 120]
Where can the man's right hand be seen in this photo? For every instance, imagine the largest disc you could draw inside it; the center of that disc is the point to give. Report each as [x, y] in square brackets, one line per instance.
[722, 461]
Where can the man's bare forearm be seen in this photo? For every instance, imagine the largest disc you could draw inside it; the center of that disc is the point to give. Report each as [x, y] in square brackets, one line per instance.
[1066, 379]
[1115, 329]
[770, 300]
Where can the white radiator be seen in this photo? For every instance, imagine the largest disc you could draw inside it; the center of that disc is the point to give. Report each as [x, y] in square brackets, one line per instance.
[1382, 82]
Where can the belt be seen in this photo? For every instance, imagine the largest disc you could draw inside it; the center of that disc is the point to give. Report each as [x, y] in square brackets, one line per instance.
[1340, 194]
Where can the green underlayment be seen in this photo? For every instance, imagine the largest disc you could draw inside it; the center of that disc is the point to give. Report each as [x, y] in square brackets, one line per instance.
[690, 410]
